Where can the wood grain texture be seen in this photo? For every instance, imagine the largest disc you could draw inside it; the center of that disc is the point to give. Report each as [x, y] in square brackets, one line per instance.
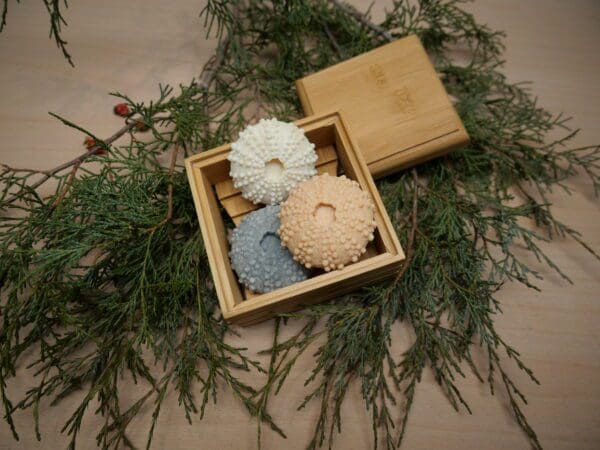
[394, 102]
[551, 42]
[205, 171]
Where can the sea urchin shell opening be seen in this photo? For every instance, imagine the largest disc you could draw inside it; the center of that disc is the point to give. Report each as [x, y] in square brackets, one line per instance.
[270, 242]
[324, 213]
[274, 170]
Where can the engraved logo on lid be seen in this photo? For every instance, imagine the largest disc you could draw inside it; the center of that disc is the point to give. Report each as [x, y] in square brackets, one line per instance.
[404, 101]
[378, 74]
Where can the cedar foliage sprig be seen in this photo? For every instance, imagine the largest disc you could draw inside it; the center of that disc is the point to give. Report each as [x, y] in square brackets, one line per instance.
[54, 8]
[110, 268]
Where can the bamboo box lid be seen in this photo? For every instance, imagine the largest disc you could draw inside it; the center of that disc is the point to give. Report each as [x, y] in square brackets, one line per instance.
[394, 103]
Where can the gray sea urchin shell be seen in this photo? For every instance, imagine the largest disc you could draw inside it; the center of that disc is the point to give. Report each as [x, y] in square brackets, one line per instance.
[269, 159]
[257, 256]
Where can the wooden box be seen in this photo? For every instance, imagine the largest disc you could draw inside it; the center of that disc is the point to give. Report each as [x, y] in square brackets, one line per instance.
[209, 169]
[395, 104]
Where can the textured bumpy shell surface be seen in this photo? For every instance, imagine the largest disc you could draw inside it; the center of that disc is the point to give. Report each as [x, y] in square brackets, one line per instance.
[257, 256]
[327, 222]
[258, 145]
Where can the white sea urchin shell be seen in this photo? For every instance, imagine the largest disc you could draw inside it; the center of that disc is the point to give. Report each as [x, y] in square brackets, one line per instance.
[269, 159]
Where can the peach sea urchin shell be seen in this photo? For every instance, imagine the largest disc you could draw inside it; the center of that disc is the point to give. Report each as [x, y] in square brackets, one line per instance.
[269, 159]
[327, 222]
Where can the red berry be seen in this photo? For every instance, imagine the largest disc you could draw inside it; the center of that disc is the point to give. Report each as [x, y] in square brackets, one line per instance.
[91, 145]
[89, 142]
[141, 126]
[121, 109]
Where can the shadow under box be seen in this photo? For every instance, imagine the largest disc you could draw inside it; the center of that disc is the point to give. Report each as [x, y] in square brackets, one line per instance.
[208, 174]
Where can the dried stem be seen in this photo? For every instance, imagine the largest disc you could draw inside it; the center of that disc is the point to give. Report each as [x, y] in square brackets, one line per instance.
[257, 103]
[169, 214]
[47, 174]
[333, 40]
[413, 229]
[362, 18]
[67, 185]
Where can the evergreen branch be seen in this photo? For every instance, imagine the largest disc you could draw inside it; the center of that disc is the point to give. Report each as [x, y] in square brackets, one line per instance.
[4, 14]
[48, 174]
[67, 185]
[411, 237]
[56, 22]
[208, 75]
[87, 282]
[169, 215]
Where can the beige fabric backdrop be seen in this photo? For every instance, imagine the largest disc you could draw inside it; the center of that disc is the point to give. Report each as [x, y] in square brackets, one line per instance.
[132, 46]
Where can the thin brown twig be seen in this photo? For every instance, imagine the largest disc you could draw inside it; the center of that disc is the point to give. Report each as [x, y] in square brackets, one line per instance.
[169, 214]
[209, 73]
[403, 222]
[413, 229]
[6, 169]
[75, 161]
[333, 40]
[257, 103]
[362, 18]
[67, 185]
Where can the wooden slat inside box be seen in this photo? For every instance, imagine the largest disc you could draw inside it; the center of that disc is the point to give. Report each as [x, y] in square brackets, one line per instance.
[395, 105]
[210, 169]
[237, 206]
